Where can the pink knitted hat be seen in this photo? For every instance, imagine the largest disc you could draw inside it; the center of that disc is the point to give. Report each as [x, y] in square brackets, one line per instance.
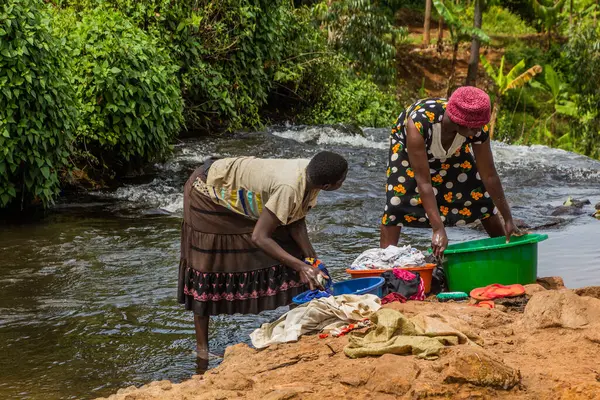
[469, 106]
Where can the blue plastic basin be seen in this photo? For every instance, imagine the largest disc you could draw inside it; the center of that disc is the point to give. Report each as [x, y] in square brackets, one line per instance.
[354, 286]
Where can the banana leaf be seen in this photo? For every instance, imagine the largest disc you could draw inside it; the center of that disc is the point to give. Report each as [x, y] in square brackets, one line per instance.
[523, 78]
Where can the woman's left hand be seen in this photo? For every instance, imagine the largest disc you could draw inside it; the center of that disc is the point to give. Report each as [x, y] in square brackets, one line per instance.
[512, 230]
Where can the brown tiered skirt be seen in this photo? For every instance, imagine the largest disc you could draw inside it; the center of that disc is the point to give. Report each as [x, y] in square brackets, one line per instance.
[221, 271]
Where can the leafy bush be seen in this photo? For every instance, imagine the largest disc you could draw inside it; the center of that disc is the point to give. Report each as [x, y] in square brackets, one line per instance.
[364, 31]
[520, 50]
[316, 83]
[350, 99]
[500, 21]
[582, 58]
[231, 76]
[236, 55]
[226, 51]
[131, 103]
[37, 113]
[523, 9]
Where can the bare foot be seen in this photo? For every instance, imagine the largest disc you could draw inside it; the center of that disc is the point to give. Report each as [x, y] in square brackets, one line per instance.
[201, 366]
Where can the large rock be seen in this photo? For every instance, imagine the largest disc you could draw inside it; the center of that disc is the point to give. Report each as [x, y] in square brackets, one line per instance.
[567, 210]
[533, 288]
[349, 128]
[552, 282]
[561, 309]
[590, 291]
[393, 375]
[478, 367]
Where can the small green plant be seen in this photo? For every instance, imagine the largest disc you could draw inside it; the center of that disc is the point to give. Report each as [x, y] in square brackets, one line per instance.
[37, 111]
[559, 91]
[422, 91]
[560, 103]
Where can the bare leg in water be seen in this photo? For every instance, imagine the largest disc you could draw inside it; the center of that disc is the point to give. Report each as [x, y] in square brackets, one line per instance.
[201, 325]
[389, 235]
[493, 226]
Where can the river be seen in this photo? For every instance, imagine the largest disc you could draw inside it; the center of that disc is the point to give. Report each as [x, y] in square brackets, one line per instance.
[87, 299]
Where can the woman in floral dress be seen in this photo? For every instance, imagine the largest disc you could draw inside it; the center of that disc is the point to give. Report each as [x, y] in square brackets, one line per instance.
[433, 178]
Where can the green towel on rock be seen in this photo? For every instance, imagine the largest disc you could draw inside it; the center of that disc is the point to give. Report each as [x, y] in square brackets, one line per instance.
[392, 332]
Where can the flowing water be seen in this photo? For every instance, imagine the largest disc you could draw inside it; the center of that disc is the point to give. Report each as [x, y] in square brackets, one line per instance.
[87, 299]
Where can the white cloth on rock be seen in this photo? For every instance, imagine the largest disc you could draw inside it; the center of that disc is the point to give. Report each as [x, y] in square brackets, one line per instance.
[323, 314]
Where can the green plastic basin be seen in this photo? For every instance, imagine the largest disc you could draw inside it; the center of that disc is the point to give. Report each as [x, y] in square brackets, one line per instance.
[479, 263]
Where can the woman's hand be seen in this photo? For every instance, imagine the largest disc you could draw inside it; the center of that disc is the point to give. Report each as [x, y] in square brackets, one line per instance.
[310, 276]
[439, 242]
[512, 230]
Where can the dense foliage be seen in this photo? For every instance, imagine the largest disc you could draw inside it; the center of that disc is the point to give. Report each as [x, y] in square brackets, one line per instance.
[365, 33]
[501, 21]
[37, 110]
[130, 100]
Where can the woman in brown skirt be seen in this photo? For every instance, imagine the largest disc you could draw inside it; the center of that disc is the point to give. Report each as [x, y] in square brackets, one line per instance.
[244, 234]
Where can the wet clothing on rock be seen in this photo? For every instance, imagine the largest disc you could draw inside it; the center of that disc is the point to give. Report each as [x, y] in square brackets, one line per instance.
[324, 314]
[391, 332]
[221, 270]
[461, 196]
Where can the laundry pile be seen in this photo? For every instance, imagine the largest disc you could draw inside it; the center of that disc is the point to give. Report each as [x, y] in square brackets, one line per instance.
[324, 315]
[388, 258]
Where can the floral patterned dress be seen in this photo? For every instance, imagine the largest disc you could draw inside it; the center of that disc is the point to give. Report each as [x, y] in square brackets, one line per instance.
[460, 193]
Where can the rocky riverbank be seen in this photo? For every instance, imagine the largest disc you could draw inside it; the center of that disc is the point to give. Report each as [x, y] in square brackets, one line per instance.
[547, 350]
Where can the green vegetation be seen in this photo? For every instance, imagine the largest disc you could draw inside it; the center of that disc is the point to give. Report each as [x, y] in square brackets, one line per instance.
[500, 21]
[130, 100]
[38, 115]
[560, 107]
[505, 82]
[94, 89]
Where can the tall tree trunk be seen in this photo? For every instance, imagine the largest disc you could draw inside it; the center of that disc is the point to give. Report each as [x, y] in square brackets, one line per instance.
[452, 69]
[440, 38]
[475, 44]
[570, 14]
[427, 26]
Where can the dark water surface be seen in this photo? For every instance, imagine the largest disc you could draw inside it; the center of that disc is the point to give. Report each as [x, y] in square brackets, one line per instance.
[87, 299]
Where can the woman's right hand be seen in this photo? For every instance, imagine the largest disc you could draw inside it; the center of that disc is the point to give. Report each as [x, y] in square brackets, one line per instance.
[439, 242]
[308, 275]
